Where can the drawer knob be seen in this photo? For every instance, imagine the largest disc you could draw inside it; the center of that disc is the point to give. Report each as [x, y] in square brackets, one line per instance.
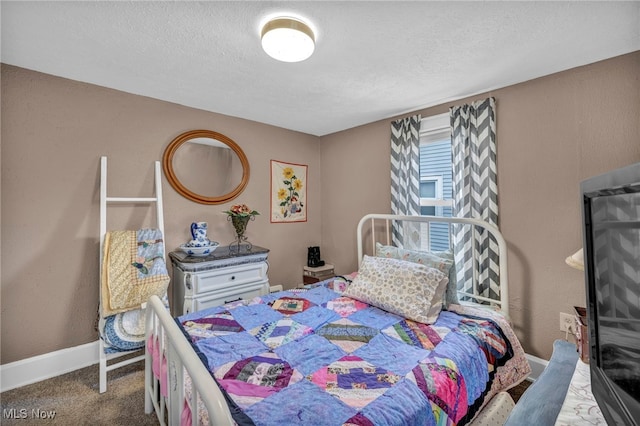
[233, 277]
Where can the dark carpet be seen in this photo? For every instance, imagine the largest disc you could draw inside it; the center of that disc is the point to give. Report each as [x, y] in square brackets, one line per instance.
[74, 399]
[517, 391]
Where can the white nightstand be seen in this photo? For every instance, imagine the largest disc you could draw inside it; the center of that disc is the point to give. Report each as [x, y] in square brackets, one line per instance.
[313, 275]
[222, 277]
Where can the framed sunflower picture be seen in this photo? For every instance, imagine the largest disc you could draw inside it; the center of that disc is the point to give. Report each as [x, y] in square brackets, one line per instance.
[288, 192]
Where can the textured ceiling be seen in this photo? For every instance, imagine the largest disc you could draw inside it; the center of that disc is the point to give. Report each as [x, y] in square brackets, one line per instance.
[373, 60]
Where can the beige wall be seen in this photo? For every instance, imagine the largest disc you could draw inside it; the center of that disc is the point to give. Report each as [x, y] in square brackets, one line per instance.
[53, 134]
[552, 133]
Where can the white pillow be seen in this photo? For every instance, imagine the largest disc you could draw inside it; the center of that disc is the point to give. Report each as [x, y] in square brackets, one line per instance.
[409, 289]
[443, 261]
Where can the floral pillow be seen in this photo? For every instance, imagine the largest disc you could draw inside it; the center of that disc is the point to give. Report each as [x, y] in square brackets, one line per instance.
[441, 260]
[404, 288]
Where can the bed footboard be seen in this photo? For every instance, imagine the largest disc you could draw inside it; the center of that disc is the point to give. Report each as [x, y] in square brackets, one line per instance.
[175, 358]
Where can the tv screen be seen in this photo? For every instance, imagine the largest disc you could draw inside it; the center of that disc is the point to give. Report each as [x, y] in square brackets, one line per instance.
[611, 213]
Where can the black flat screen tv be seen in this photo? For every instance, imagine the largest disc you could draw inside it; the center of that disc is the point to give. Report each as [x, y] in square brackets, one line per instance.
[611, 237]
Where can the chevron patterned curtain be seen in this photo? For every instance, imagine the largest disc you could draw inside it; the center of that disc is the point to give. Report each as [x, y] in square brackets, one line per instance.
[405, 178]
[475, 193]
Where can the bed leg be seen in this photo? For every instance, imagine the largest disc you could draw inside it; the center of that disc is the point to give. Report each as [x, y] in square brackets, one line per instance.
[103, 369]
[148, 405]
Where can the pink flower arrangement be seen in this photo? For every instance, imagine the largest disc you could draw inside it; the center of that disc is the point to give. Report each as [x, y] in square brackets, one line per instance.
[241, 210]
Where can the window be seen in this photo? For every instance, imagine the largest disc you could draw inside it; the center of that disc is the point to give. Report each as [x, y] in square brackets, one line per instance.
[436, 196]
[430, 190]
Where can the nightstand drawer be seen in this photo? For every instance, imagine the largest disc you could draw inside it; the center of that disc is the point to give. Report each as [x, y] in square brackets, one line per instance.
[312, 280]
[242, 292]
[226, 278]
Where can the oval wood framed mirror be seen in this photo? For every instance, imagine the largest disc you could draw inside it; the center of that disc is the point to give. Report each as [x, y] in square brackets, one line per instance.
[206, 167]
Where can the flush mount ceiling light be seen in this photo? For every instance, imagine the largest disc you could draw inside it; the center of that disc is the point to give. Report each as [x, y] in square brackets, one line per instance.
[288, 39]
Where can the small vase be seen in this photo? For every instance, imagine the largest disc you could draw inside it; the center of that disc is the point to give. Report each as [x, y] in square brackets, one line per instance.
[199, 235]
[240, 225]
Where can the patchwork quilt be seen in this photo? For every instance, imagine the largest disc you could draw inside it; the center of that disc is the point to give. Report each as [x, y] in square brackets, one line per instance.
[316, 357]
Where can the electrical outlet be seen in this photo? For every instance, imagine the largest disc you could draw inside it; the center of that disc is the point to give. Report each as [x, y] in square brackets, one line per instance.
[567, 322]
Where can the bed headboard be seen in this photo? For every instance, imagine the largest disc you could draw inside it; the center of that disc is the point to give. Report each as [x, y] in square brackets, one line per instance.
[379, 227]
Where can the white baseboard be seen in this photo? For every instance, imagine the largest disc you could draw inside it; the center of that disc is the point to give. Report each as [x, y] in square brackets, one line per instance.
[46, 366]
[537, 366]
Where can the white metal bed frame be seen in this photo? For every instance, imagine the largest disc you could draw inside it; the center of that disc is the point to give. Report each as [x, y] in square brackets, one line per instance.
[181, 359]
[105, 200]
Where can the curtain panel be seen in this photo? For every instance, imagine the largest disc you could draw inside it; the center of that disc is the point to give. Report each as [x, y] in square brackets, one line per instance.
[475, 193]
[405, 178]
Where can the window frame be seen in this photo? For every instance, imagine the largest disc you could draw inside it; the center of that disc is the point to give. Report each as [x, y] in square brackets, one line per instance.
[438, 201]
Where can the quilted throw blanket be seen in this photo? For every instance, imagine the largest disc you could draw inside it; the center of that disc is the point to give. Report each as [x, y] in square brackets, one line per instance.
[133, 269]
[316, 357]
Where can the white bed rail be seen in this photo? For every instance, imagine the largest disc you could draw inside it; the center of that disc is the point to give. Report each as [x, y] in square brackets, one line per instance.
[180, 356]
[369, 222]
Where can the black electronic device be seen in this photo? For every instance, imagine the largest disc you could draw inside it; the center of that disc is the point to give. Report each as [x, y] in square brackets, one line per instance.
[611, 237]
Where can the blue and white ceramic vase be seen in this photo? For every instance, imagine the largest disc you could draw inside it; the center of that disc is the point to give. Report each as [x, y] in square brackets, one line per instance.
[199, 235]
